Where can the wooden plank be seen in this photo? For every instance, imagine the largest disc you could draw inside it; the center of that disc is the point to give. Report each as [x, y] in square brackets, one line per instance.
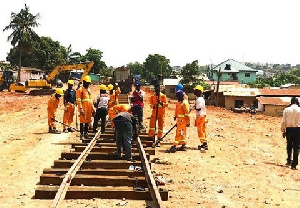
[146, 143]
[90, 192]
[149, 150]
[61, 193]
[94, 180]
[98, 171]
[106, 164]
[97, 156]
[149, 177]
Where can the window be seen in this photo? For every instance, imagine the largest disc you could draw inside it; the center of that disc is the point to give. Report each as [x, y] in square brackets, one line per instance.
[172, 90]
[247, 74]
[238, 103]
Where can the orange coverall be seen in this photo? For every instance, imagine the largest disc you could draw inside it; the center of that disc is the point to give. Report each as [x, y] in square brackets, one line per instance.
[85, 102]
[69, 114]
[201, 127]
[183, 119]
[118, 92]
[52, 107]
[160, 114]
[113, 99]
[113, 112]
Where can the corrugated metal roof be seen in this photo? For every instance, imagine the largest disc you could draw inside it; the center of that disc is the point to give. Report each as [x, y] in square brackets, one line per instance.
[234, 65]
[222, 83]
[170, 82]
[271, 101]
[280, 92]
[242, 92]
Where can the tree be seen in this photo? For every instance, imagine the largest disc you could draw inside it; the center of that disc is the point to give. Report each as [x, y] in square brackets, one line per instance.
[190, 72]
[45, 54]
[136, 68]
[23, 35]
[95, 55]
[156, 64]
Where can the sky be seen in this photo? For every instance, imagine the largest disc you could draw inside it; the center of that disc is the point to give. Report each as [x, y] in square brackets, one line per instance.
[213, 31]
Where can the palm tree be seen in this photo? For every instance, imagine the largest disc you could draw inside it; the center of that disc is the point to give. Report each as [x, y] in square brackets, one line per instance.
[23, 34]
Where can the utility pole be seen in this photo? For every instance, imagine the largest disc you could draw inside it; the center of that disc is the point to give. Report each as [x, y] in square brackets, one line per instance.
[218, 83]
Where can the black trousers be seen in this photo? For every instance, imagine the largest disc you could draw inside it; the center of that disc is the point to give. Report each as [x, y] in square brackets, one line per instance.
[101, 113]
[292, 144]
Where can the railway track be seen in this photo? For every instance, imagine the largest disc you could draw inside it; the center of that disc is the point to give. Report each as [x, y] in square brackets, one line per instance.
[91, 170]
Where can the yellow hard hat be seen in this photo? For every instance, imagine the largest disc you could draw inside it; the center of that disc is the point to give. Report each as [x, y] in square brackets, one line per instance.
[59, 91]
[87, 78]
[102, 87]
[199, 87]
[110, 87]
[71, 82]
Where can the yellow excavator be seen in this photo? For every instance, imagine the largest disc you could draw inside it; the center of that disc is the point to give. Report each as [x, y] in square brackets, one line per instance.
[43, 86]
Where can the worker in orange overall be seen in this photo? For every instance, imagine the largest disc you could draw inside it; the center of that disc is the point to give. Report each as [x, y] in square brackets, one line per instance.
[117, 92]
[200, 117]
[85, 107]
[116, 109]
[158, 102]
[69, 103]
[183, 120]
[52, 107]
[113, 95]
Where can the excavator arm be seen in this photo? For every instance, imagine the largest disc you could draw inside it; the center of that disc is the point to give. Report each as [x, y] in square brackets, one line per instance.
[86, 66]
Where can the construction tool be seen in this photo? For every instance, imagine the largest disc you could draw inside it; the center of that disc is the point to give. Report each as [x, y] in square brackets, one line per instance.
[65, 125]
[156, 144]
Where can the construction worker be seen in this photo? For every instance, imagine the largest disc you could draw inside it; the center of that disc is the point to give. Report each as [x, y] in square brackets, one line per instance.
[183, 120]
[137, 100]
[125, 124]
[52, 107]
[158, 102]
[180, 87]
[113, 95]
[69, 103]
[113, 112]
[117, 92]
[85, 106]
[200, 117]
[101, 105]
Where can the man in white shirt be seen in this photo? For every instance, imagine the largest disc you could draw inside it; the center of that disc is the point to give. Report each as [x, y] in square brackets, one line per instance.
[200, 117]
[290, 128]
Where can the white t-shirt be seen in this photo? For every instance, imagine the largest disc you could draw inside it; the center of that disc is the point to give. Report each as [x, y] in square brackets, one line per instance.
[103, 100]
[291, 117]
[200, 103]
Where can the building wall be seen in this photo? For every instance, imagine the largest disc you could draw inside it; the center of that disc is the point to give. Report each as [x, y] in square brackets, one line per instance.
[170, 91]
[226, 76]
[26, 75]
[230, 101]
[243, 79]
[274, 110]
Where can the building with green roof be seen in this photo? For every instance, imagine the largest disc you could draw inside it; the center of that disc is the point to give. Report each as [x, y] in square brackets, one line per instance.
[232, 70]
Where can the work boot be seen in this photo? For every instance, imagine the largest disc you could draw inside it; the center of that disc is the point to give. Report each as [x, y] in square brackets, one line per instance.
[81, 137]
[288, 163]
[70, 130]
[182, 148]
[65, 131]
[294, 167]
[49, 130]
[86, 135]
[204, 146]
[172, 149]
[54, 131]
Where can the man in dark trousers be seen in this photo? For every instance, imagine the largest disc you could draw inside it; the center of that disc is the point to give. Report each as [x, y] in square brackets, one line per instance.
[290, 128]
[125, 125]
[69, 103]
[101, 105]
[137, 100]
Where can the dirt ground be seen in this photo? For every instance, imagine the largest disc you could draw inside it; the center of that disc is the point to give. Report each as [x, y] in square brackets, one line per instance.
[244, 166]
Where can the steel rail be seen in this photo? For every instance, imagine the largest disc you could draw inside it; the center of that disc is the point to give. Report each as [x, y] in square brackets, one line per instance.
[63, 188]
[149, 177]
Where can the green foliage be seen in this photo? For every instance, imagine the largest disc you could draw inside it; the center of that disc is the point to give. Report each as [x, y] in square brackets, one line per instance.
[22, 35]
[189, 73]
[45, 54]
[156, 64]
[95, 55]
[136, 68]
